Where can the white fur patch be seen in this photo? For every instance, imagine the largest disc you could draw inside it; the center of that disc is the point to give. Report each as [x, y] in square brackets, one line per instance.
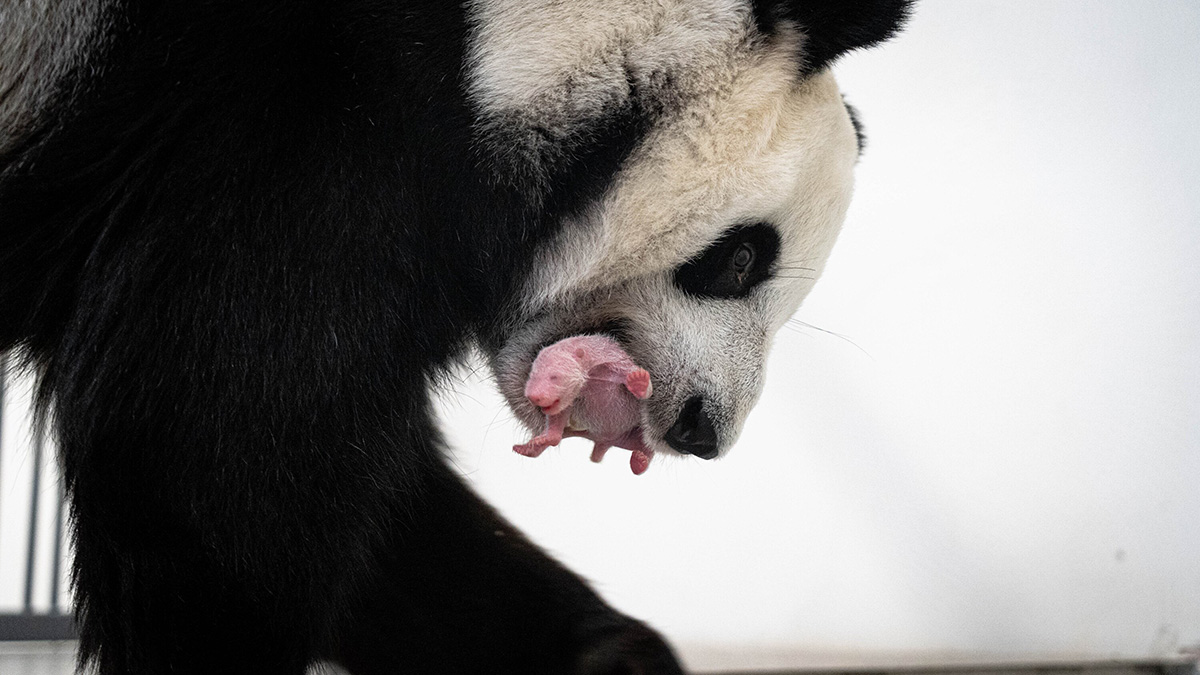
[558, 64]
[542, 74]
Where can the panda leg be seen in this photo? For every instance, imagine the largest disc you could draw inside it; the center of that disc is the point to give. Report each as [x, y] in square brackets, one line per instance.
[598, 450]
[150, 607]
[462, 591]
[556, 424]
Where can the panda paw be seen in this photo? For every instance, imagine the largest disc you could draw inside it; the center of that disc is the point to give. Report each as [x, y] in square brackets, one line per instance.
[632, 649]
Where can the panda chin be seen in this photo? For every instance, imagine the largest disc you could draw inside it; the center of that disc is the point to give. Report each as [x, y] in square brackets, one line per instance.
[511, 357]
[584, 384]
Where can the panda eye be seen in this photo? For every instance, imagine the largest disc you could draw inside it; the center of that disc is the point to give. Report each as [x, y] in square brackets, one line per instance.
[743, 258]
[733, 265]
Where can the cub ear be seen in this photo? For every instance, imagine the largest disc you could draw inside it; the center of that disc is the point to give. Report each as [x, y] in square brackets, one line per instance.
[832, 27]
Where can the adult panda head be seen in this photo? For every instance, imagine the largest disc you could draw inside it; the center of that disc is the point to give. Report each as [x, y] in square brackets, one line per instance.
[715, 155]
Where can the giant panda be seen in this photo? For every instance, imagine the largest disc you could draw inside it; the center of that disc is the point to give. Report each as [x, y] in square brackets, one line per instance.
[242, 242]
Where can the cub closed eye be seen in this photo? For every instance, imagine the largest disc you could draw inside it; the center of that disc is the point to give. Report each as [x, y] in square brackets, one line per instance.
[733, 265]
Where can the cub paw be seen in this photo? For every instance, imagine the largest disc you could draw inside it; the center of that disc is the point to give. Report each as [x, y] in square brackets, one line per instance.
[638, 383]
[534, 447]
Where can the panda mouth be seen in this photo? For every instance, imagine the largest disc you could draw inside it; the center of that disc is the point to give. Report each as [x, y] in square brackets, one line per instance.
[609, 409]
[616, 329]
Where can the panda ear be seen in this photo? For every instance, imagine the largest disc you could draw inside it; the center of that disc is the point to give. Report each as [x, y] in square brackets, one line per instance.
[832, 27]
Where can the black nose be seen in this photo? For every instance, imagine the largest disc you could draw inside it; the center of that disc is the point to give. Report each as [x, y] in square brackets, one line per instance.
[693, 433]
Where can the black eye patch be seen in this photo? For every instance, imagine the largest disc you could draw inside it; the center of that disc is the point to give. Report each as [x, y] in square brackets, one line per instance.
[734, 264]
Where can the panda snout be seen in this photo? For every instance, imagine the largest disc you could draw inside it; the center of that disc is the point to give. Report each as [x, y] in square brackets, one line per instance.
[693, 432]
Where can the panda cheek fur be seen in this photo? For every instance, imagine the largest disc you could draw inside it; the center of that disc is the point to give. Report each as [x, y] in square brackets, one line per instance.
[695, 348]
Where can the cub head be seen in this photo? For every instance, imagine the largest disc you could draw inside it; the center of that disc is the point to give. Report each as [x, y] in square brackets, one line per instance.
[722, 156]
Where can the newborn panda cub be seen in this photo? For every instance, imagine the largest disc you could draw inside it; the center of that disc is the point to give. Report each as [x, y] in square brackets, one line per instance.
[588, 386]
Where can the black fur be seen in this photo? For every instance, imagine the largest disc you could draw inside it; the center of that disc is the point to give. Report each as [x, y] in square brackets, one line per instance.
[238, 254]
[239, 266]
[860, 131]
[834, 27]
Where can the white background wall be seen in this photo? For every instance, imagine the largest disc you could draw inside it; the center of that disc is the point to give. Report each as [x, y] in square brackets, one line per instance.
[1003, 455]
[16, 492]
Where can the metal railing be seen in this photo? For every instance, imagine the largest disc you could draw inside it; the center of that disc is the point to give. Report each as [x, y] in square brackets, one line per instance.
[33, 602]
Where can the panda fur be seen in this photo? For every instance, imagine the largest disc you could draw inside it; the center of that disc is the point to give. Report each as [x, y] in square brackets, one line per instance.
[241, 241]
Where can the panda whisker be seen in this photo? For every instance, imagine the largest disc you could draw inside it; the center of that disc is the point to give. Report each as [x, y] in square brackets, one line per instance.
[488, 375]
[488, 429]
[798, 326]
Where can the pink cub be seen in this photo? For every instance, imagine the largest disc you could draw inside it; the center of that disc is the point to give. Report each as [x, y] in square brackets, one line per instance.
[588, 386]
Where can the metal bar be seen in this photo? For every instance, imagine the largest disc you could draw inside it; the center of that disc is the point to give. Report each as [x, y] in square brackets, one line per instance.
[31, 558]
[22, 627]
[56, 568]
[3, 387]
